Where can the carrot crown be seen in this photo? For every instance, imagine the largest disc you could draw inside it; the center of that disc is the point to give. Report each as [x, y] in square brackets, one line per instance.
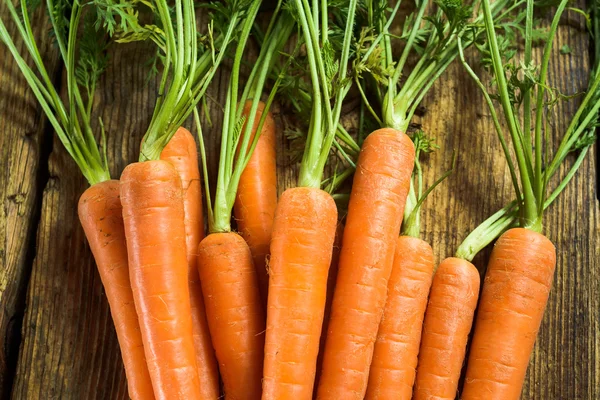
[85, 61]
[188, 67]
[523, 88]
[237, 144]
[329, 81]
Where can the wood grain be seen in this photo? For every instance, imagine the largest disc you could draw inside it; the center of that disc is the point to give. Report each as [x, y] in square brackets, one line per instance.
[69, 349]
[22, 140]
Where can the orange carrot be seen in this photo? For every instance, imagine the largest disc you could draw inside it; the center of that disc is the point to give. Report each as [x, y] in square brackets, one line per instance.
[256, 198]
[234, 312]
[381, 184]
[301, 247]
[230, 285]
[182, 154]
[331, 278]
[101, 217]
[393, 369]
[513, 300]
[448, 321]
[151, 195]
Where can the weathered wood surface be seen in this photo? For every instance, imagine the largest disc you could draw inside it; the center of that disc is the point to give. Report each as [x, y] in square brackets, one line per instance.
[68, 348]
[23, 137]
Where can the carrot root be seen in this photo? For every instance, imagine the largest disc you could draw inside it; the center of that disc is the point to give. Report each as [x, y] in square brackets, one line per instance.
[100, 213]
[515, 292]
[151, 195]
[331, 278]
[301, 249]
[448, 321]
[394, 364]
[181, 152]
[377, 200]
[234, 310]
[256, 199]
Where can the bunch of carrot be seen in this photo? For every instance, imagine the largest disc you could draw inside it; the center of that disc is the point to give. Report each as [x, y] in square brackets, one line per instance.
[300, 304]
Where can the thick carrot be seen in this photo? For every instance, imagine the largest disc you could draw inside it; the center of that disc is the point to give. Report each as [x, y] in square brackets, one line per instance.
[151, 195]
[102, 220]
[181, 152]
[513, 300]
[331, 278]
[234, 310]
[393, 369]
[381, 184]
[301, 248]
[446, 328]
[256, 198]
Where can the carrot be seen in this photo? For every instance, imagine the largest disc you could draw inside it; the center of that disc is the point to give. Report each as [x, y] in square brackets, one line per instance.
[151, 195]
[182, 154]
[254, 208]
[448, 321]
[331, 278]
[392, 373]
[513, 300]
[304, 229]
[379, 191]
[234, 312]
[100, 215]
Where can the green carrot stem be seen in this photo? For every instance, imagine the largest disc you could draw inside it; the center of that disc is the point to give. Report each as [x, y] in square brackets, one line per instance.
[507, 217]
[530, 217]
[236, 144]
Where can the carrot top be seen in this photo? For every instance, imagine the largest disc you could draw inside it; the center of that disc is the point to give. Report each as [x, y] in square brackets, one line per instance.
[399, 86]
[523, 89]
[188, 65]
[329, 83]
[237, 143]
[84, 59]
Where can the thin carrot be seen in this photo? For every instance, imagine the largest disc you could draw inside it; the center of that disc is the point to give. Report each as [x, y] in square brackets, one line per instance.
[182, 154]
[515, 292]
[237, 319]
[254, 208]
[151, 195]
[448, 321]
[379, 191]
[305, 223]
[393, 369]
[331, 278]
[101, 217]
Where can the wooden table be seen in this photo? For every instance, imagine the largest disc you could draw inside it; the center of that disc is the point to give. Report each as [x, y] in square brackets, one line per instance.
[56, 335]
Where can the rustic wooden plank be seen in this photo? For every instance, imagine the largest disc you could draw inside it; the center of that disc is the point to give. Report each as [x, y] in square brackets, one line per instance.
[565, 360]
[22, 160]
